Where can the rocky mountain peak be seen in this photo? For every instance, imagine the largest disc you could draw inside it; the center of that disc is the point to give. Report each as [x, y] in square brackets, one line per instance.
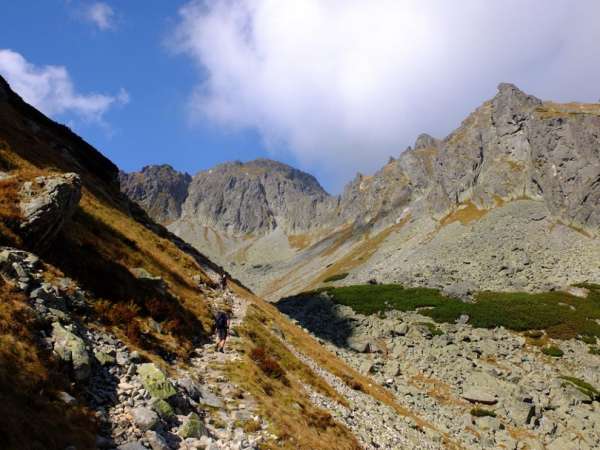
[425, 141]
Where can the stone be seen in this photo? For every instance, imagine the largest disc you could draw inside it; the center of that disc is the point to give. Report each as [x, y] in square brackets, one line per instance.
[72, 349]
[192, 427]
[156, 441]
[391, 369]
[103, 358]
[47, 203]
[155, 381]
[144, 418]
[134, 445]
[478, 395]
[66, 398]
[163, 408]
[207, 398]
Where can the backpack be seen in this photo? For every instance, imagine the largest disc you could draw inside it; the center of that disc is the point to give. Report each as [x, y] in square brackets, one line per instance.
[221, 322]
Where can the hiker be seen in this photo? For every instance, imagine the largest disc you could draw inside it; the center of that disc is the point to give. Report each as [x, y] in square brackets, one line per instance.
[223, 282]
[222, 323]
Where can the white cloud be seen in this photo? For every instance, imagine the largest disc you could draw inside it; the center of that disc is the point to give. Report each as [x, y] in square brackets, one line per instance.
[50, 89]
[342, 84]
[100, 14]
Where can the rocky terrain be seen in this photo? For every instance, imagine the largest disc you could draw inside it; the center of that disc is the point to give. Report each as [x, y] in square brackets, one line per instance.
[493, 205]
[106, 326]
[486, 388]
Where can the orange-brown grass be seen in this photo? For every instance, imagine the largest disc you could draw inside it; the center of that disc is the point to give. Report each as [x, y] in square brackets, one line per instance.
[299, 241]
[274, 377]
[465, 215]
[550, 110]
[32, 417]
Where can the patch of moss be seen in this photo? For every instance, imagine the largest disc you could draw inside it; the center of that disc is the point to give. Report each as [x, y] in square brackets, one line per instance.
[553, 351]
[339, 276]
[595, 351]
[583, 387]
[481, 412]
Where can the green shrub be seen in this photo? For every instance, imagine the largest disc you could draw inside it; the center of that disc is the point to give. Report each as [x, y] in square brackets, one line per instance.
[583, 387]
[595, 351]
[339, 276]
[548, 312]
[587, 339]
[481, 412]
[553, 351]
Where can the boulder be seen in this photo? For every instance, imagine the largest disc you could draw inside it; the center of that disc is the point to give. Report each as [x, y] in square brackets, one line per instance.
[47, 203]
[192, 427]
[134, 445]
[207, 398]
[155, 381]
[156, 441]
[72, 349]
[144, 418]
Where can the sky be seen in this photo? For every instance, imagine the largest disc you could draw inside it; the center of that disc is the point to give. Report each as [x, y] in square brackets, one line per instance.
[333, 87]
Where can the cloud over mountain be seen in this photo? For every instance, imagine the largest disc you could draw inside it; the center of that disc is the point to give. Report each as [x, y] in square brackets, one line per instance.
[343, 84]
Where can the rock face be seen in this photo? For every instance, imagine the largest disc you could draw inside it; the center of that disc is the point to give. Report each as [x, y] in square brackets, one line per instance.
[537, 163]
[47, 203]
[160, 190]
[71, 348]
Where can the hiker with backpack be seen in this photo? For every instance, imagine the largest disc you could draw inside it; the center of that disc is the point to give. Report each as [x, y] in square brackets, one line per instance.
[222, 323]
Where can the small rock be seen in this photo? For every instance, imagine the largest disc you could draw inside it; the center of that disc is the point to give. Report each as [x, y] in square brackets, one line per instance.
[144, 418]
[192, 427]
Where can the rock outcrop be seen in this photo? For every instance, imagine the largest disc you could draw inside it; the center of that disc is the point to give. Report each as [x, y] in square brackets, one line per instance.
[160, 190]
[47, 203]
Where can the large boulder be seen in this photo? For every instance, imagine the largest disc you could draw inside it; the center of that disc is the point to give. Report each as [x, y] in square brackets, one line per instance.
[155, 381]
[47, 203]
[72, 349]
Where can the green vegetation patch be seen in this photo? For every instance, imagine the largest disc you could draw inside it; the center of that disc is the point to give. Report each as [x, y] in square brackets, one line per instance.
[553, 351]
[558, 314]
[583, 387]
[337, 277]
[433, 329]
[481, 412]
[595, 351]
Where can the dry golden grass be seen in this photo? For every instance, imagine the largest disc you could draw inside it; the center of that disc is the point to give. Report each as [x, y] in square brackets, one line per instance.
[299, 241]
[275, 377]
[467, 214]
[551, 110]
[32, 417]
[358, 255]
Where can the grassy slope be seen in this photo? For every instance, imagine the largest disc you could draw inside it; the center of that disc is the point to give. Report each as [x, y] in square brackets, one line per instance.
[561, 315]
[103, 241]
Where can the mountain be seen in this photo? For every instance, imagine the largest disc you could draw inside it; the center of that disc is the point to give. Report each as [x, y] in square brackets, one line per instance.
[497, 204]
[106, 319]
[160, 190]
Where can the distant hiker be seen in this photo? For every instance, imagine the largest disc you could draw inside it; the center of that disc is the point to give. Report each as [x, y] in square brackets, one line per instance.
[222, 323]
[223, 282]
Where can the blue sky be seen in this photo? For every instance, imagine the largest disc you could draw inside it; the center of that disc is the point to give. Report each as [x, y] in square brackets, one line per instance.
[153, 127]
[329, 86]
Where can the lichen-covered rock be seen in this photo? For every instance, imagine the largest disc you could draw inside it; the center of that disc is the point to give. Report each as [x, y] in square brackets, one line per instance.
[155, 381]
[47, 203]
[72, 349]
[192, 427]
[163, 409]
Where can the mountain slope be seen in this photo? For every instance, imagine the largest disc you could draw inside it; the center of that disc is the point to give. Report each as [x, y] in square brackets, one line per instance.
[494, 205]
[106, 319]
